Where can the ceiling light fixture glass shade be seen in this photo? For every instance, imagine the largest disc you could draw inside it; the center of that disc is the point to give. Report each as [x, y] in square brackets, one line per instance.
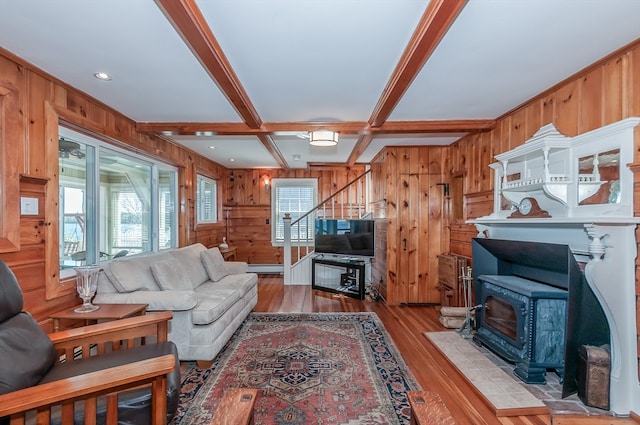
[323, 138]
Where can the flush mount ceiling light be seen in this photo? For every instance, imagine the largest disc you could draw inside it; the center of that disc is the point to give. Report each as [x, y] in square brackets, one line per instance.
[323, 138]
[102, 76]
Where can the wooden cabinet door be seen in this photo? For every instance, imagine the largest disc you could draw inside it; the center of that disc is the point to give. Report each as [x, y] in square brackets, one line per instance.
[420, 231]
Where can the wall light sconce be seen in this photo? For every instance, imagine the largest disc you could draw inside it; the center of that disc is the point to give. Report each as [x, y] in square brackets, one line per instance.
[267, 182]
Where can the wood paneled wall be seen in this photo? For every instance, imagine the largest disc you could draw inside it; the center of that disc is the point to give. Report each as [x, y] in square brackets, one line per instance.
[248, 206]
[38, 93]
[605, 92]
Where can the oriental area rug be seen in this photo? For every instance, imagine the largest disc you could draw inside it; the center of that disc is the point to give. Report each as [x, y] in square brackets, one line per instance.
[309, 368]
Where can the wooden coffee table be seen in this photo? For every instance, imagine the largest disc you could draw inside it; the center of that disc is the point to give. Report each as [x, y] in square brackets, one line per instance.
[106, 312]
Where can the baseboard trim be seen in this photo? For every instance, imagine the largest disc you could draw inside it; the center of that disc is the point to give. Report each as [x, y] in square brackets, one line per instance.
[266, 268]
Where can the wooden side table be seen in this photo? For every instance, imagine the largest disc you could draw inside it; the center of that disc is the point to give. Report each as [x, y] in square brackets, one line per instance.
[229, 254]
[104, 313]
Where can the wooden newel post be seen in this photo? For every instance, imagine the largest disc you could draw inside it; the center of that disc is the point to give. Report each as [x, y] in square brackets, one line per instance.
[287, 248]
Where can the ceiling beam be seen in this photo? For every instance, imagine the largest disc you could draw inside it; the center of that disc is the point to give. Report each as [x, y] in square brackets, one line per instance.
[434, 126]
[354, 127]
[188, 21]
[362, 143]
[433, 25]
[269, 144]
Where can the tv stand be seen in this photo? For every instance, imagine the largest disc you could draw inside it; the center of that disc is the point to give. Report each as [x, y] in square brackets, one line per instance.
[351, 279]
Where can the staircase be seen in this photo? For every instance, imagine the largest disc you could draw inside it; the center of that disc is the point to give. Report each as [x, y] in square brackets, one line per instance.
[349, 202]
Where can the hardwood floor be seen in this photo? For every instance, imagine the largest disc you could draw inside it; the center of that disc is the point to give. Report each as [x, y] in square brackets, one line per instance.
[406, 325]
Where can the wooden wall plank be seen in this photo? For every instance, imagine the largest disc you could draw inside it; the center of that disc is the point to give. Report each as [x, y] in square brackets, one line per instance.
[590, 90]
[613, 94]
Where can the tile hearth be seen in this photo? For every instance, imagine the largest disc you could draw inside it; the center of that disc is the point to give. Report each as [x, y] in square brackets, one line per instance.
[493, 378]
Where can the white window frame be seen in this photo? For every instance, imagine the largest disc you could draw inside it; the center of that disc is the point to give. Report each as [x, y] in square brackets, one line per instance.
[201, 182]
[95, 208]
[277, 213]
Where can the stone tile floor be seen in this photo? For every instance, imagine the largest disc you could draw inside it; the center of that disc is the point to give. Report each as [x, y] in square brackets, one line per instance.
[494, 378]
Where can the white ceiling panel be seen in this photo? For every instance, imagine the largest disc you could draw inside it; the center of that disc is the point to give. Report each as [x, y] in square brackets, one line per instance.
[313, 60]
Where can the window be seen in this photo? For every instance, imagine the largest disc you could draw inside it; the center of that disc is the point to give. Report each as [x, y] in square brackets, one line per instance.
[296, 197]
[112, 203]
[206, 200]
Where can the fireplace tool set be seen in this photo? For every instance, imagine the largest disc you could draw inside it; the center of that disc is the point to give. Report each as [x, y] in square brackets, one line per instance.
[468, 324]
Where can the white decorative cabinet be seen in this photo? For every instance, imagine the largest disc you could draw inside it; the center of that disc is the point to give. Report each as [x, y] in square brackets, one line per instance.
[568, 176]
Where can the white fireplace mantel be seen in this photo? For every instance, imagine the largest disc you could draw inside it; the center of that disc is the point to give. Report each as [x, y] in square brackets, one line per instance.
[603, 235]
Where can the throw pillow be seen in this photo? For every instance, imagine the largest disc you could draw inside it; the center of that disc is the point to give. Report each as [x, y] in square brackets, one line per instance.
[214, 263]
[170, 275]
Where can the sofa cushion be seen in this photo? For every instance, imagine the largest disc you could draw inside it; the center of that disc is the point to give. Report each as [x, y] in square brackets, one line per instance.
[156, 300]
[170, 275]
[214, 264]
[128, 274]
[189, 258]
[214, 298]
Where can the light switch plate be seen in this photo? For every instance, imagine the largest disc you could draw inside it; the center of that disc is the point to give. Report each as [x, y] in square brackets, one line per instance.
[28, 206]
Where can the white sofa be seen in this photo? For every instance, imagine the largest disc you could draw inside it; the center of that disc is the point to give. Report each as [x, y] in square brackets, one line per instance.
[209, 297]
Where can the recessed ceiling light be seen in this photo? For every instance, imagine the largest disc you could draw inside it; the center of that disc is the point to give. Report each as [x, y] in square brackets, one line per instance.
[102, 76]
[212, 147]
[232, 160]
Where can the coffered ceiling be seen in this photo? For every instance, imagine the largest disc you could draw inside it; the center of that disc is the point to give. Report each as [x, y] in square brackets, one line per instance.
[244, 80]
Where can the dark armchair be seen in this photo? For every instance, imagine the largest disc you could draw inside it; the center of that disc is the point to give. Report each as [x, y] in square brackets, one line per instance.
[124, 371]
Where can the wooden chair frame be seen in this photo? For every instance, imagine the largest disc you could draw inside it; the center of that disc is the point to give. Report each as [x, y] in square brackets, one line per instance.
[95, 340]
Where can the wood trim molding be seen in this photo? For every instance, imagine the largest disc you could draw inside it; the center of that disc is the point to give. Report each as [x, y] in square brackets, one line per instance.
[55, 286]
[351, 127]
[10, 131]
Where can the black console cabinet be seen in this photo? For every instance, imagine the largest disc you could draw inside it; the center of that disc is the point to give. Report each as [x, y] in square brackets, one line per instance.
[351, 281]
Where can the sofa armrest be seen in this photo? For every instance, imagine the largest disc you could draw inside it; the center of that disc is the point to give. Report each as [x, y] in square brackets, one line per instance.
[236, 267]
[156, 300]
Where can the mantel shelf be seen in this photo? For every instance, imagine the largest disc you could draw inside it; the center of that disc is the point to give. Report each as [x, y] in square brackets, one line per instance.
[553, 221]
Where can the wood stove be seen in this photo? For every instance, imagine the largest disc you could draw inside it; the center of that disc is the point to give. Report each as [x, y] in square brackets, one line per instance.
[535, 308]
[524, 321]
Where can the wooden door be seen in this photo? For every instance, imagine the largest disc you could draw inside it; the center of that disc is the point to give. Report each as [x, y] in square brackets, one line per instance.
[420, 236]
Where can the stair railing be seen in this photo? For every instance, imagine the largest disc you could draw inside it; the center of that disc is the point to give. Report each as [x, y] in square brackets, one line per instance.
[350, 201]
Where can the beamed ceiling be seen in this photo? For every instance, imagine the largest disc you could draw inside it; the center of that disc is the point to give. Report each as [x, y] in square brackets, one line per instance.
[243, 81]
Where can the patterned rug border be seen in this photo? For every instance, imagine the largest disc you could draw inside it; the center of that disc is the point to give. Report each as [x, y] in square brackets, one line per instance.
[195, 379]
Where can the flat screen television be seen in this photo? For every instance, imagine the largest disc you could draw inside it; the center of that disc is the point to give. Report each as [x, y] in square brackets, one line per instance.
[345, 237]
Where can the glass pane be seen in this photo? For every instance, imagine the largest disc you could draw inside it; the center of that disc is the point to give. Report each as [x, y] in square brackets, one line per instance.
[73, 193]
[599, 178]
[206, 200]
[125, 219]
[296, 201]
[501, 315]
